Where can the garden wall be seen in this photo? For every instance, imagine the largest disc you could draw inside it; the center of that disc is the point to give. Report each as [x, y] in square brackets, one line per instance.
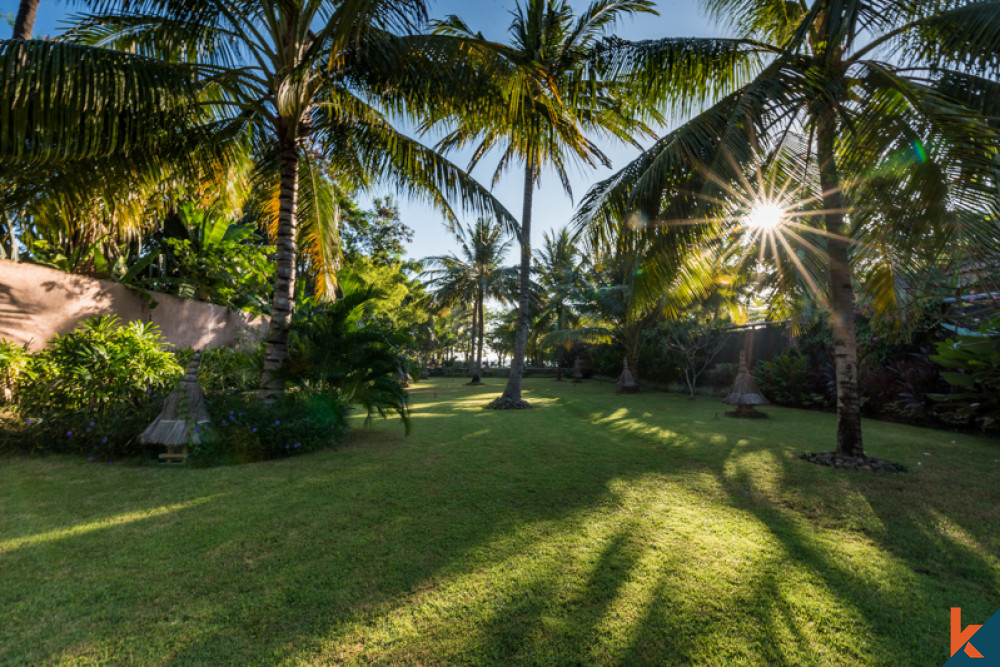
[37, 303]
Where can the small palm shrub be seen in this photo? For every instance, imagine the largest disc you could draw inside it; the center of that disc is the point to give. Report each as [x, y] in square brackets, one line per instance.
[338, 351]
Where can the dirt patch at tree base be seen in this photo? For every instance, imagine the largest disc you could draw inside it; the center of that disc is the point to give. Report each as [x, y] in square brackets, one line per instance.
[858, 463]
[503, 403]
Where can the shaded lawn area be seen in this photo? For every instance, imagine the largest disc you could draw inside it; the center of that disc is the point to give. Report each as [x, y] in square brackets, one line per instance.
[595, 528]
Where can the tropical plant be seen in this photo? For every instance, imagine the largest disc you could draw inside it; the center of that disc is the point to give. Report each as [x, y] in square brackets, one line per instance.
[304, 85]
[474, 275]
[103, 365]
[972, 361]
[618, 308]
[338, 351]
[562, 278]
[696, 344]
[541, 111]
[13, 358]
[893, 163]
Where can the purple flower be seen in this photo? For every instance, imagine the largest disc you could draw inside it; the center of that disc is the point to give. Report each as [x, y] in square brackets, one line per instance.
[195, 429]
[298, 444]
[68, 433]
[223, 422]
[28, 420]
[91, 458]
[88, 430]
[91, 423]
[277, 422]
[95, 448]
[254, 429]
[110, 463]
[104, 441]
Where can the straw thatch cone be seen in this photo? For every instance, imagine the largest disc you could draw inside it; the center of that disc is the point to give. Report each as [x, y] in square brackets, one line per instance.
[626, 383]
[577, 373]
[745, 394]
[183, 412]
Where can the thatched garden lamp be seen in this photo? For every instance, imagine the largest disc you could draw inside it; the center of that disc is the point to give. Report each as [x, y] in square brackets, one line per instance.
[626, 383]
[745, 394]
[183, 418]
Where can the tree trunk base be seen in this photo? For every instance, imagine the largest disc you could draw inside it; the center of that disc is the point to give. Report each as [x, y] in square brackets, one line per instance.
[474, 382]
[856, 463]
[504, 403]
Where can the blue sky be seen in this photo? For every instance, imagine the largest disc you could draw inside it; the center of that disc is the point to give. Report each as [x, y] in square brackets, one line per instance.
[552, 208]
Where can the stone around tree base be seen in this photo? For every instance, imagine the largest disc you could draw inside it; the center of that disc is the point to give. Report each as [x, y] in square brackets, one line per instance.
[748, 414]
[504, 403]
[859, 463]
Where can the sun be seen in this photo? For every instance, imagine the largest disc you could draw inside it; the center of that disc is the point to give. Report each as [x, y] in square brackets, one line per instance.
[764, 217]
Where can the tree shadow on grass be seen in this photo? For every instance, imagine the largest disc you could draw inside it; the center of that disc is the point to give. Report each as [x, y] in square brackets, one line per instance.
[354, 555]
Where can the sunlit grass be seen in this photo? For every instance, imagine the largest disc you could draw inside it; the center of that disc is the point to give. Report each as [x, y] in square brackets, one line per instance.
[597, 528]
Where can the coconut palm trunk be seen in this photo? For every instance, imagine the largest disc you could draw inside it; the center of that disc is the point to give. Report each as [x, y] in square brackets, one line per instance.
[845, 344]
[511, 397]
[282, 303]
[482, 325]
[24, 24]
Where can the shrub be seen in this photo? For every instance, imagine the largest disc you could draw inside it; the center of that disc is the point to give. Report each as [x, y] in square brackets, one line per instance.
[13, 358]
[791, 379]
[227, 369]
[973, 371]
[101, 367]
[110, 436]
[245, 430]
[334, 351]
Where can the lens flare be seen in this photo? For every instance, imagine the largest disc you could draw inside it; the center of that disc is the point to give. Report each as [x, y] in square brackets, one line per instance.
[765, 217]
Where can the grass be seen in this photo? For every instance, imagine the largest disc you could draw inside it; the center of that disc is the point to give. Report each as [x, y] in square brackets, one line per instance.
[596, 528]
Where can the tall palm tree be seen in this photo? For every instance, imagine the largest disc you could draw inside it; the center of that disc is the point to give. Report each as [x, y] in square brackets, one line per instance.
[881, 90]
[304, 79]
[541, 112]
[475, 275]
[561, 277]
[24, 23]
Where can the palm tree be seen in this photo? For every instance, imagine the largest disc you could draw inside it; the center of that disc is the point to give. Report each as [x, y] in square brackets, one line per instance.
[878, 88]
[24, 23]
[562, 278]
[540, 112]
[304, 83]
[474, 276]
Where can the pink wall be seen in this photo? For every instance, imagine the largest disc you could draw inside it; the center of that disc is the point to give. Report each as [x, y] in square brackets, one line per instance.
[37, 303]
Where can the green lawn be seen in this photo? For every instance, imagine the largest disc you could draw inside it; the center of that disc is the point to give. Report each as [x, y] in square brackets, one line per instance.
[596, 528]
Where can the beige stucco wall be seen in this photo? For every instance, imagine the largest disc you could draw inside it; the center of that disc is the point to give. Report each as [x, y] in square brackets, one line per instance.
[37, 303]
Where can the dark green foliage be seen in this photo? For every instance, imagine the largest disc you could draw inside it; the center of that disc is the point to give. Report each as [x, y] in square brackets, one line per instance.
[110, 436]
[335, 351]
[206, 256]
[101, 367]
[230, 370]
[244, 430]
[13, 358]
[973, 363]
[790, 379]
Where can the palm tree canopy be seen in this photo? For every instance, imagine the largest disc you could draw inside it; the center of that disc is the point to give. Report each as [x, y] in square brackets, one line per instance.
[545, 95]
[904, 86]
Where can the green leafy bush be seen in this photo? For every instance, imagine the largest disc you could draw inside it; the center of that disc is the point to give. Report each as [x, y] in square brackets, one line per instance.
[245, 430]
[13, 359]
[973, 371]
[790, 379]
[101, 367]
[107, 437]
